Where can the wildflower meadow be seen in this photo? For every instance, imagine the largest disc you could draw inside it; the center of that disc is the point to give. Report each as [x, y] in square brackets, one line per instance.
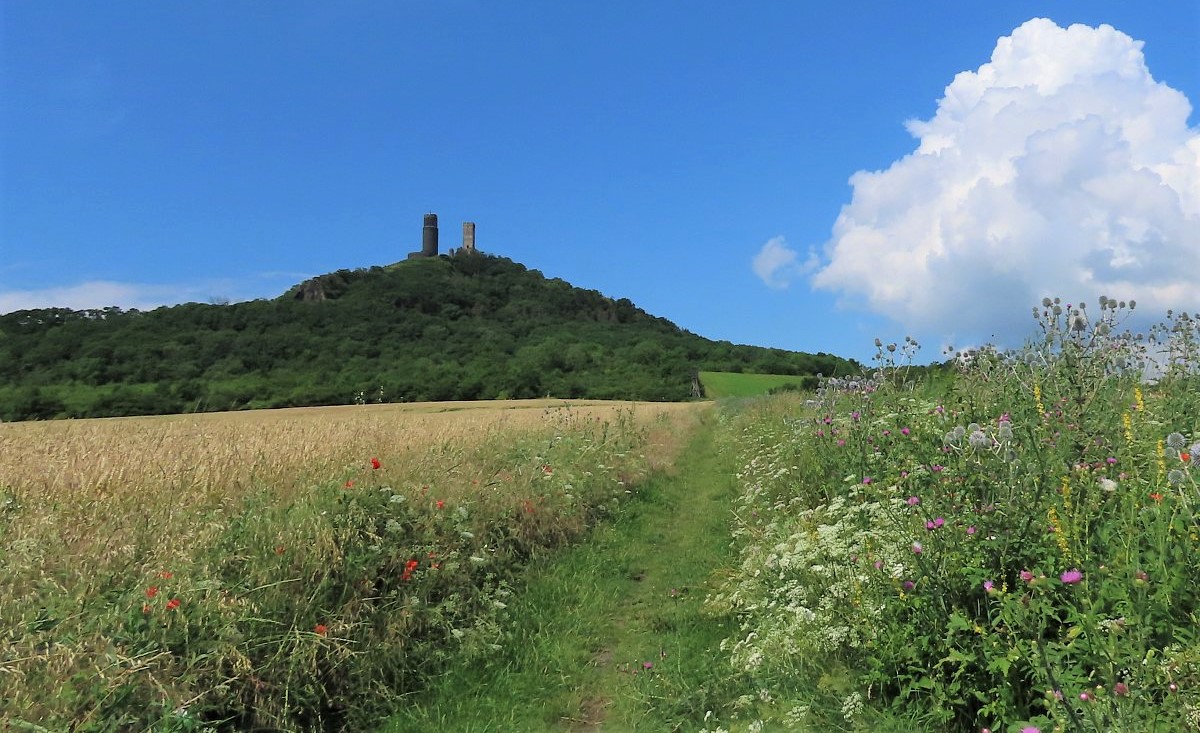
[1012, 548]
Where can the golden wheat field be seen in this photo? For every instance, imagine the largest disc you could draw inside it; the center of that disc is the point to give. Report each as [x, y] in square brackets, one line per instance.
[102, 487]
[201, 453]
[246, 513]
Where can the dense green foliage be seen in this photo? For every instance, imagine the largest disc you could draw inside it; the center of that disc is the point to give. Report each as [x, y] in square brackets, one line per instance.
[449, 328]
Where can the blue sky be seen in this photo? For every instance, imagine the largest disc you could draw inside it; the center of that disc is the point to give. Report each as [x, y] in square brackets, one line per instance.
[785, 174]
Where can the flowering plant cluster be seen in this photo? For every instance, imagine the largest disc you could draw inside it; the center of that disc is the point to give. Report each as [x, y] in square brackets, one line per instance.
[1011, 547]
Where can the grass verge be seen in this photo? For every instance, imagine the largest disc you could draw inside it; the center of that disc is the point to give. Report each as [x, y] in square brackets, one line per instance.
[611, 634]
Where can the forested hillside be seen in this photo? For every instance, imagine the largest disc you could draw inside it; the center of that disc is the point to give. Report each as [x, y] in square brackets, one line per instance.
[468, 326]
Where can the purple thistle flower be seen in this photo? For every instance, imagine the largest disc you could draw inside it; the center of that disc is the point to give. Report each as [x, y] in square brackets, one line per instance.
[1071, 576]
[988, 586]
[914, 500]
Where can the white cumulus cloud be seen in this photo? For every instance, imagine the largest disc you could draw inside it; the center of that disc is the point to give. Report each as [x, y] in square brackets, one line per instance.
[1061, 167]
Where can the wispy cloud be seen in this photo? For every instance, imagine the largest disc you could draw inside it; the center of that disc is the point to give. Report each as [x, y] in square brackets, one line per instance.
[146, 296]
[778, 265]
[1061, 167]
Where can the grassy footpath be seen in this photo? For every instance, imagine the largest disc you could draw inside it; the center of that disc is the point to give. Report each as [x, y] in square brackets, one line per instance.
[610, 635]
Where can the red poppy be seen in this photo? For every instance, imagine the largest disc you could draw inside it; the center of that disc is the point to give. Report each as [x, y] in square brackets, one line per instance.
[410, 566]
[441, 504]
[152, 591]
[349, 484]
[1185, 457]
[166, 575]
[1156, 496]
[320, 629]
[375, 463]
[173, 604]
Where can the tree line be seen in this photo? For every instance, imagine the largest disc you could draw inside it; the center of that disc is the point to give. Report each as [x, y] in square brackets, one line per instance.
[467, 326]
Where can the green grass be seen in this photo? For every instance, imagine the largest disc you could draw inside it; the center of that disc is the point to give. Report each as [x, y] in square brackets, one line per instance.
[591, 618]
[733, 384]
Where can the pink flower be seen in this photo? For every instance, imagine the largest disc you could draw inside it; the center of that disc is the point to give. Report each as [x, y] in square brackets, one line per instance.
[1031, 729]
[867, 479]
[971, 530]
[988, 586]
[917, 549]
[909, 585]
[914, 500]
[905, 431]
[1027, 576]
[1120, 689]
[1071, 576]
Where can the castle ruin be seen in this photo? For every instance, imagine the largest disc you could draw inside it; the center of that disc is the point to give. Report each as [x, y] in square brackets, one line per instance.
[429, 238]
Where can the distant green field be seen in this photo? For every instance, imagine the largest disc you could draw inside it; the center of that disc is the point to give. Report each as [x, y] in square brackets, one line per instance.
[732, 384]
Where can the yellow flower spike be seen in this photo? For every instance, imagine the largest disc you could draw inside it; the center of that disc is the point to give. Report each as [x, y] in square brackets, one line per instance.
[1037, 398]
[1161, 452]
[1059, 536]
[1127, 421]
[1138, 400]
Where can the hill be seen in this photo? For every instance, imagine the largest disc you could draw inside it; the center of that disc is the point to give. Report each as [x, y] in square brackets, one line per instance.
[461, 327]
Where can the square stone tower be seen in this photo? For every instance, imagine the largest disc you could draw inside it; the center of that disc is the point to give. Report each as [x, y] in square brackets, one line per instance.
[468, 236]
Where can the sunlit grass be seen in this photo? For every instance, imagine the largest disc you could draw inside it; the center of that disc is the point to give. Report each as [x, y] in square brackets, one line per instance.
[259, 567]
